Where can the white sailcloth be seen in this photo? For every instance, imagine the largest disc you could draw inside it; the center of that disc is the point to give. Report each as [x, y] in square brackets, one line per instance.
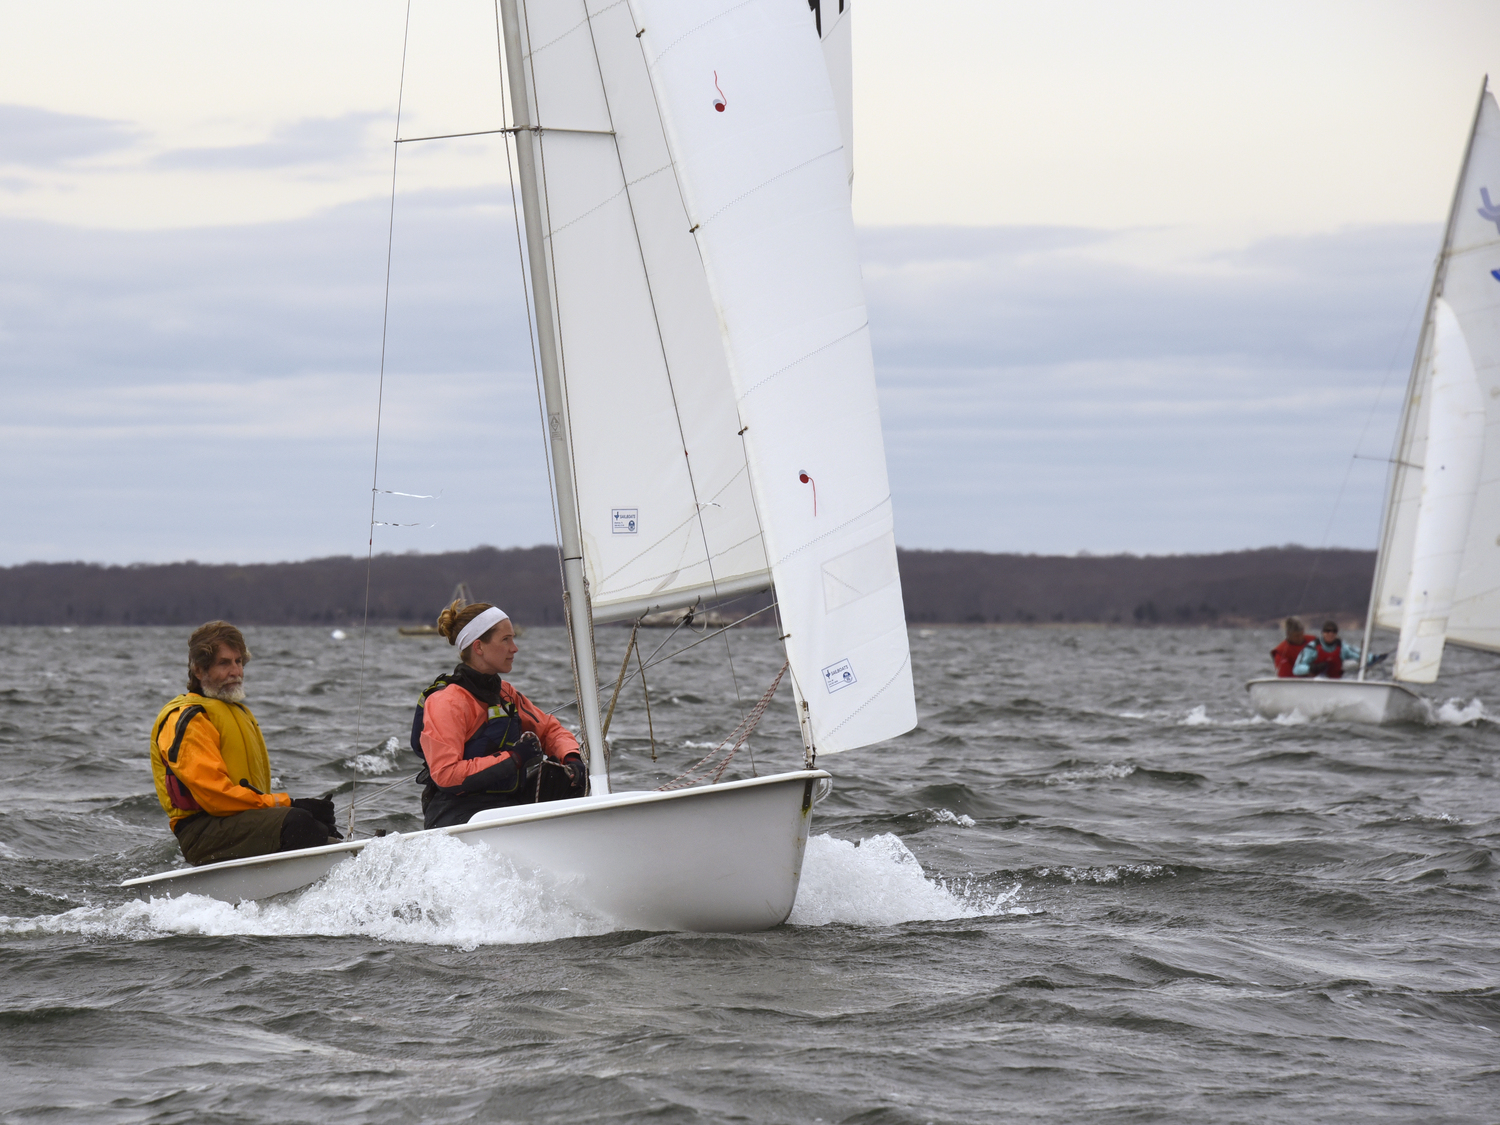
[664, 499]
[754, 135]
[1466, 282]
[836, 29]
[1450, 479]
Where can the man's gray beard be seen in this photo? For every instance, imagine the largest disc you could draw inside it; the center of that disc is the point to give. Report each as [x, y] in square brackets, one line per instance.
[235, 694]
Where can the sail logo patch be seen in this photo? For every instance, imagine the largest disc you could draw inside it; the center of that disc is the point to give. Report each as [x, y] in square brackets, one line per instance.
[838, 676]
[1489, 212]
[625, 521]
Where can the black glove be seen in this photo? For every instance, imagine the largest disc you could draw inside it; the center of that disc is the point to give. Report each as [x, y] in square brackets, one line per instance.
[1376, 659]
[528, 755]
[578, 773]
[321, 809]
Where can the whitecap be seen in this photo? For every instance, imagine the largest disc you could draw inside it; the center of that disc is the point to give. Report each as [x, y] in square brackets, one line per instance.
[1113, 873]
[1197, 717]
[948, 816]
[1092, 773]
[384, 759]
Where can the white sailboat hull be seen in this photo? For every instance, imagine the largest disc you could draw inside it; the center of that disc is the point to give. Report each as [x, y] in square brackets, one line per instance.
[1350, 701]
[713, 858]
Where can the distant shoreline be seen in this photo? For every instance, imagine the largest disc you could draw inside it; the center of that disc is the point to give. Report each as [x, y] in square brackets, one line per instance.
[1235, 589]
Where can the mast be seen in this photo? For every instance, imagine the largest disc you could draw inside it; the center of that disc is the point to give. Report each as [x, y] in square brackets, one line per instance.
[575, 584]
[1413, 385]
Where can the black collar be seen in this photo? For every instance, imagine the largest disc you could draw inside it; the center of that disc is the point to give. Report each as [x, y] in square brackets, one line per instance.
[485, 688]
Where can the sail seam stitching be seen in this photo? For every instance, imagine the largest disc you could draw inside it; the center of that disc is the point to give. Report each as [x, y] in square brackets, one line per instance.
[706, 562]
[779, 175]
[605, 203]
[835, 530]
[700, 27]
[675, 528]
[803, 359]
[581, 23]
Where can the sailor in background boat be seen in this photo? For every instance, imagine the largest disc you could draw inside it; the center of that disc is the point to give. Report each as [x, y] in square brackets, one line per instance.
[212, 771]
[1284, 655]
[1325, 655]
[484, 745]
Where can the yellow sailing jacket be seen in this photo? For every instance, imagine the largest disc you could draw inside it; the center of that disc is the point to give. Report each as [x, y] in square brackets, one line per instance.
[219, 766]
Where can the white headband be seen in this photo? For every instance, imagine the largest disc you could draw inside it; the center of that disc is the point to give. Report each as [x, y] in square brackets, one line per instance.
[480, 626]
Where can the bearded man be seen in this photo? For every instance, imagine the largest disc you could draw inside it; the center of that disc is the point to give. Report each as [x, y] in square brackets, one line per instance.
[213, 775]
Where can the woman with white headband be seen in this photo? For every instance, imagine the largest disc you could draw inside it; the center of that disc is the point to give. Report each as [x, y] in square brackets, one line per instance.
[484, 744]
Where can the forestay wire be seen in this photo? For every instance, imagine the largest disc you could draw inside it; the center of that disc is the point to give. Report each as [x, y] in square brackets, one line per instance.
[385, 317]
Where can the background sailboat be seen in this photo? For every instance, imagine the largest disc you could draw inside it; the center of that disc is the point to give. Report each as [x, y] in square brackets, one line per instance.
[712, 420]
[1437, 573]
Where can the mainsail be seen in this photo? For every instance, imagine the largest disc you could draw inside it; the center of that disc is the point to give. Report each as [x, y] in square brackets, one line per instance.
[1450, 479]
[719, 393]
[1466, 282]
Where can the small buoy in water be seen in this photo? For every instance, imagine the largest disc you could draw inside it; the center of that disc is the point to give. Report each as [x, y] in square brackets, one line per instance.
[338, 634]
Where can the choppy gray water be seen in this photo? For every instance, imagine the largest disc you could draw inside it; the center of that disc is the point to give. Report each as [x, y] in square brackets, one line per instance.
[1090, 886]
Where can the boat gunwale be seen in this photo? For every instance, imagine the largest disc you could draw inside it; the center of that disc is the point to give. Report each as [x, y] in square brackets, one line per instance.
[546, 811]
[1324, 681]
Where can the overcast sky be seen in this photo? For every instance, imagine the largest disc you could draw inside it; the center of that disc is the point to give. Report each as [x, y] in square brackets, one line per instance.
[1142, 277]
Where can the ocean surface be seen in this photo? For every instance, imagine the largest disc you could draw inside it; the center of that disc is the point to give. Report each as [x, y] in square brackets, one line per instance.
[1090, 886]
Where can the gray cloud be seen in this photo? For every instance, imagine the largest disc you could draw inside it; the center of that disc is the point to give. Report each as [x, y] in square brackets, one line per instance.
[1035, 399]
[311, 141]
[42, 138]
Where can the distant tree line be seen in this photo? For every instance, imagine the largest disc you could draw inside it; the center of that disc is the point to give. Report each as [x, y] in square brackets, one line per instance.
[940, 587]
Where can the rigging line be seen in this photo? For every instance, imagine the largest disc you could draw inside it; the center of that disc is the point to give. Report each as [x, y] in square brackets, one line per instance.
[651, 662]
[620, 681]
[385, 319]
[650, 726]
[507, 129]
[1349, 470]
[676, 628]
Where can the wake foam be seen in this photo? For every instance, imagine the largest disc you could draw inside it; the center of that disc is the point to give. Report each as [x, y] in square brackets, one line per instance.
[437, 890]
[430, 890]
[878, 882]
[1457, 713]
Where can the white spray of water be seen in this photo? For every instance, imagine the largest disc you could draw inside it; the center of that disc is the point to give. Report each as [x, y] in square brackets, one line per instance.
[437, 890]
[433, 890]
[878, 882]
[1457, 713]
[1197, 717]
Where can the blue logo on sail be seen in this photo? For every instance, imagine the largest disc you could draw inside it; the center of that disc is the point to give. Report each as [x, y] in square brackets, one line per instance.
[624, 521]
[838, 676]
[1489, 212]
